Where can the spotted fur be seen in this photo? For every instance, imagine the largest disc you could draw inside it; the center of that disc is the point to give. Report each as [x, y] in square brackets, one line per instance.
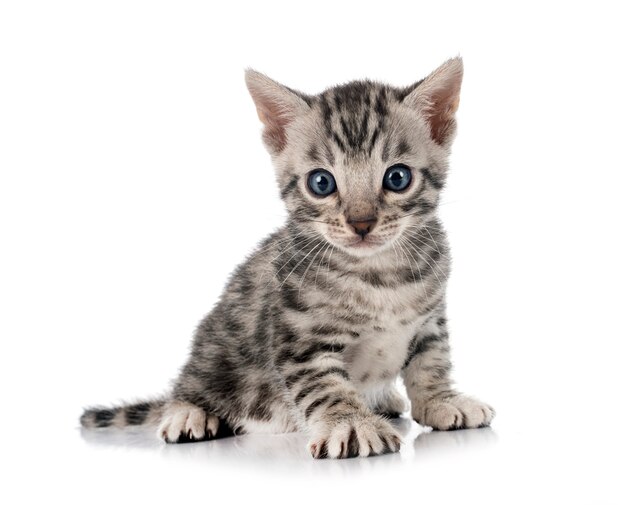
[313, 330]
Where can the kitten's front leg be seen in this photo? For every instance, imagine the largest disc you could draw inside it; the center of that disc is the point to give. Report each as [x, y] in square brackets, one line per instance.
[426, 376]
[340, 423]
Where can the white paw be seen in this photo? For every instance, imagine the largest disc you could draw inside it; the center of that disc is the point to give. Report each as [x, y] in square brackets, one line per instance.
[364, 436]
[454, 413]
[184, 422]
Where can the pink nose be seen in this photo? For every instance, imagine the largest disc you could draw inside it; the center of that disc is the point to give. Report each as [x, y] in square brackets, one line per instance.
[363, 226]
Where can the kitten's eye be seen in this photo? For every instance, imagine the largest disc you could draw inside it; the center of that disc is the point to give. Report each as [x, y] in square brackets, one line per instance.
[322, 182]
[397, 177]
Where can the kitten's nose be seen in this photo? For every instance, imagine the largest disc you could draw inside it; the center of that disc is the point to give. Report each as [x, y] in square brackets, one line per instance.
[363, 226]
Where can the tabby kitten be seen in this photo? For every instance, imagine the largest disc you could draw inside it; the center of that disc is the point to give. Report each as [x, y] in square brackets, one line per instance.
[313, 329]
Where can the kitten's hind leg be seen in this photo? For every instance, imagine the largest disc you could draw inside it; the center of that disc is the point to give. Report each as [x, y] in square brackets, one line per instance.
[185, 422]
[391, 403]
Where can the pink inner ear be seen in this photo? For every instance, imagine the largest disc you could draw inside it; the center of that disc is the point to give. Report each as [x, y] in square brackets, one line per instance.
[275, 119]
[274, 134]
[437, 99]
[276, 105]
[443, 106]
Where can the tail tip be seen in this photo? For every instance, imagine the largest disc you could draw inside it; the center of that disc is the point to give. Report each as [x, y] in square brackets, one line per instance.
[98, 417]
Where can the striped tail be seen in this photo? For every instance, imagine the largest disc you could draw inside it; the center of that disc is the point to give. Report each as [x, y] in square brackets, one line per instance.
[132, 414]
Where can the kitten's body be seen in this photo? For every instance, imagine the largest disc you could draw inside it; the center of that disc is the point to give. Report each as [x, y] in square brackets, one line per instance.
[314, 328]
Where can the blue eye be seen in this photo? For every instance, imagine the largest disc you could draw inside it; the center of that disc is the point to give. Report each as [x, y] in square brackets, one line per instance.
[397, 177]
[322, 182]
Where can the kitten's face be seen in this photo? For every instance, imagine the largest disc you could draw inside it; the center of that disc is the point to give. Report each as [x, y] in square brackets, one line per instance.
[361, 164]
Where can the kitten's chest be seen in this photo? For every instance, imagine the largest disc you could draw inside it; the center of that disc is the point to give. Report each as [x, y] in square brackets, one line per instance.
[379, 352]
[382, 316]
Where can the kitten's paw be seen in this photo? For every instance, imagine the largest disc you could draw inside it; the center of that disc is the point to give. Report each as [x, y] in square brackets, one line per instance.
[365, 436]
[393, 404]
[184, 422]
[453, 413]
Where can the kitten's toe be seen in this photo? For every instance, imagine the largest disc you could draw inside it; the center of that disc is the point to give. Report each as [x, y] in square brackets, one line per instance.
[195, 427]
[340, 442]
[212, 425]
[184, 422]
[355, 437]
[453, 413]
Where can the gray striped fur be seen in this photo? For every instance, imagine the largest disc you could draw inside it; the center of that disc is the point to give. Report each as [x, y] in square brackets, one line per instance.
[314, 327]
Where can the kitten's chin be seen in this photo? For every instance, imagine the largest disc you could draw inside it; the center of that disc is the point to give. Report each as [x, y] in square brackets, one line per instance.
[363, 247]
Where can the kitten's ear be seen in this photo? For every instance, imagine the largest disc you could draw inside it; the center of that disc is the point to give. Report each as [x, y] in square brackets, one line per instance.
[276, 106]
[437, 99]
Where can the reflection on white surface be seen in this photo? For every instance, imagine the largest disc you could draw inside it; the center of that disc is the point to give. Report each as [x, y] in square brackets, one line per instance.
[288, 451]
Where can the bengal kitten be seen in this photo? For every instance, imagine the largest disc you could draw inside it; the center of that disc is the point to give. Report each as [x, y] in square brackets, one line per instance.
[315, 326]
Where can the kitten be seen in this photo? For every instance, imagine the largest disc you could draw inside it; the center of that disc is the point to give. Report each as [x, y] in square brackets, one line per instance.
[313, 329]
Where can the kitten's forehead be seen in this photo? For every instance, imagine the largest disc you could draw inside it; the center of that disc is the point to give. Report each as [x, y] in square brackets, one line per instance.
[365, 93]
[354, 96]
[356, 117]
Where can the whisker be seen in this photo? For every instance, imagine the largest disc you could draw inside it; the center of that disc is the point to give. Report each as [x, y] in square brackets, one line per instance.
[427, 228]
[395, 250]
[402, 248]
[289, 238]
[329, 258]
[417, 228]
[308, 266]
[433, 240]
[432, 265]
[298, 264]
[408, 243]
[326, 249]
[278, 242]
[293, 256]
[288, 247]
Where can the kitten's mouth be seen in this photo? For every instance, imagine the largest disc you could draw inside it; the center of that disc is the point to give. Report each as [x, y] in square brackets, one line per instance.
[364, 243]
[359, 246]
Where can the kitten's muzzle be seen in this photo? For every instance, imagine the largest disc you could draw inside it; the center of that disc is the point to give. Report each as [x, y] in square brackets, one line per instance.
[363, 226]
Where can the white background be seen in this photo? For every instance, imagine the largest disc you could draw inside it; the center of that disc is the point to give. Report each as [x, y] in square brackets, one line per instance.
[133, 180]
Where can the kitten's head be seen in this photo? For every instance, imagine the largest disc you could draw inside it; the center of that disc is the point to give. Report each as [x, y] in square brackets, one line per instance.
[362, 163]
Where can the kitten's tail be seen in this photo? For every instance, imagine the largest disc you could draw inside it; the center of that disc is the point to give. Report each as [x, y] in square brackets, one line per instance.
[131, 414]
